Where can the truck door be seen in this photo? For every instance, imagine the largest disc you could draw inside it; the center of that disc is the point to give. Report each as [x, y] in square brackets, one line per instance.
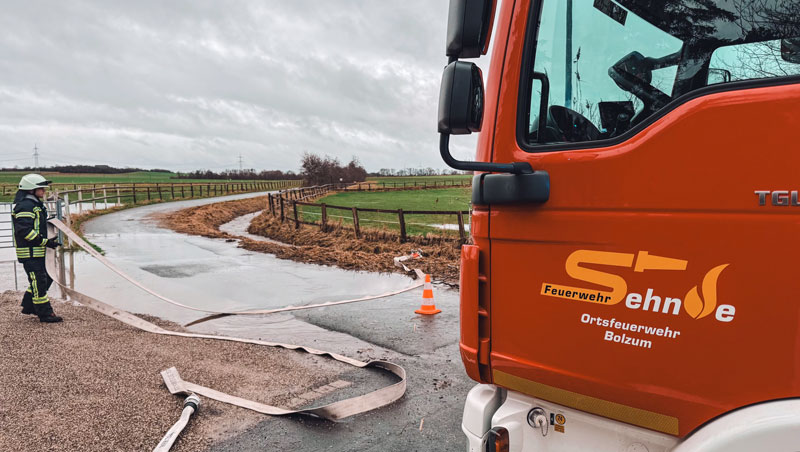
[658, 285]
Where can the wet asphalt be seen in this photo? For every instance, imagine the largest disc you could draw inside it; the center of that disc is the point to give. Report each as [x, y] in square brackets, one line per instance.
[215, 274]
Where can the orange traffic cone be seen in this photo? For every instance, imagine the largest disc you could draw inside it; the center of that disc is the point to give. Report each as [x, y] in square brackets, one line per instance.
[428, 306]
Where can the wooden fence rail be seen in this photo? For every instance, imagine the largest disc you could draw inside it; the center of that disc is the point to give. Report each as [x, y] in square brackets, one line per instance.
[295, 198]
[10, 189]
[76, 197]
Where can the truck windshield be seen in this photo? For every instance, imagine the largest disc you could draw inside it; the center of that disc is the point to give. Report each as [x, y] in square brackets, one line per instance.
[613, 64]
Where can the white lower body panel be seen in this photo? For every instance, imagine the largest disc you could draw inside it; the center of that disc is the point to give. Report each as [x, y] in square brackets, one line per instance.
[772, 426]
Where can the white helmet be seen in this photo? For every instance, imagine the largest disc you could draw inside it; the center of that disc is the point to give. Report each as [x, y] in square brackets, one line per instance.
[32, 182]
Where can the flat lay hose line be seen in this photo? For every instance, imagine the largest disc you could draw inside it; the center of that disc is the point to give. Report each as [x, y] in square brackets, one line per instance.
[190, 405]
[332, 411]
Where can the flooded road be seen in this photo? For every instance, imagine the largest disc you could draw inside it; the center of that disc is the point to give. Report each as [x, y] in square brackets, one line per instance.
[215, 274]
[205, 273]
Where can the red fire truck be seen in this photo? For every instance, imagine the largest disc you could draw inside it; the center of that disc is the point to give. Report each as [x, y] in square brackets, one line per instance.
[632, 282]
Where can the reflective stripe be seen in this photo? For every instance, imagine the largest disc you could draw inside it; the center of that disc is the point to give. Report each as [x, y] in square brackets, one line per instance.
[24, 215]
[36, 219]
[34, 251]
[34, 287]
[31, 235]
[41, 300]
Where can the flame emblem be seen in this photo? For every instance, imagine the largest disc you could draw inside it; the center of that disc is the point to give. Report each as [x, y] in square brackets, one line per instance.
[694, 304]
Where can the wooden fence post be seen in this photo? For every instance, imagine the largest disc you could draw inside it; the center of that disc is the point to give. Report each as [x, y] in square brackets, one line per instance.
[172, 190]
[191, 190]
[94, 196]
[355, 223]
[183, 194]
[119, 200]
[282, 214]
[158, 187]
[80, 200]
[461, 232]
[324, 223]
[296, 220]
[402, 219]
[148, 193]
[105, 198]
[133, 191]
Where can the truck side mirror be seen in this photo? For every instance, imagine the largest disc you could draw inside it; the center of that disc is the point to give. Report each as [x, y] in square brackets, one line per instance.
[790, 50]
[468, 28]
[718, 76]
[461, 99]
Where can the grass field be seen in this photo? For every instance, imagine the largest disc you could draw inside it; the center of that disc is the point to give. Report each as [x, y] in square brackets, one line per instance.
[448, 199]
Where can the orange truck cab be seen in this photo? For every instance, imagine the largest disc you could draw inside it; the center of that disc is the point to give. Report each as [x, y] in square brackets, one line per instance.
[633, 279]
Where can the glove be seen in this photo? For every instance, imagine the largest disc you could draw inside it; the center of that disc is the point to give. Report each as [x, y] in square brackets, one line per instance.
[52, 243]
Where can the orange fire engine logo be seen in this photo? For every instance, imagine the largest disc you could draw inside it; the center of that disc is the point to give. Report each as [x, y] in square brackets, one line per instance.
[698, 302]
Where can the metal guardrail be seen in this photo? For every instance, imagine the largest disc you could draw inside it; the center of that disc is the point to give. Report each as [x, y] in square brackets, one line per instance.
[7, 254]
[6, 241]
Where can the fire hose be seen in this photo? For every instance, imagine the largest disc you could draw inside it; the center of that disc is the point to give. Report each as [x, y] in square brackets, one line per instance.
[190, 405]
[332, 411]
[217, 314]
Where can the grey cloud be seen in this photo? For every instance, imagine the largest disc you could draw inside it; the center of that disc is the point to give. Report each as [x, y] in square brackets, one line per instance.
[191, 84]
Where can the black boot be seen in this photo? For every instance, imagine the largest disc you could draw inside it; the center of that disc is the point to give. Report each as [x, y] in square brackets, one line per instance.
[52, 318]
[45, 313]
[27, 304]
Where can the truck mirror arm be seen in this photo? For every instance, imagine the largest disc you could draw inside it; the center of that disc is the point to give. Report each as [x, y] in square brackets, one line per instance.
[513, 168]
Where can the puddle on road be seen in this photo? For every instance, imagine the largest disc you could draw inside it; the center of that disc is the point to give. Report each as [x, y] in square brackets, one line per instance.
[449, 227]
[239, 227]
[176, 271]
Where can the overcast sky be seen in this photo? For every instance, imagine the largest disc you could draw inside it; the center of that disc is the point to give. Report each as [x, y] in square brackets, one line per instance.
[187, 84]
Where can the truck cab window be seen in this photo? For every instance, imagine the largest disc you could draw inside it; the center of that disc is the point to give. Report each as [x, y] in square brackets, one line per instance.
[753, 60]
[610, 65]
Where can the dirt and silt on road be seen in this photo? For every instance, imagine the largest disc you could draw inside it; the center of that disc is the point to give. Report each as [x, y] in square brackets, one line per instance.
[373, 252]
[93, 383]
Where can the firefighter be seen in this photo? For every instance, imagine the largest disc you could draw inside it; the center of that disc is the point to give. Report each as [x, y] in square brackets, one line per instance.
[29, 223]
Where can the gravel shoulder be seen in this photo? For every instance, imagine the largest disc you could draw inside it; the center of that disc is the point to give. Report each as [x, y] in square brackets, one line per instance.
[93, 384]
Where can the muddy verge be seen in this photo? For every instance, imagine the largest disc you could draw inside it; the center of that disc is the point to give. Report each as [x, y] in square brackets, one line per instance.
[374, 251]
[93, 383]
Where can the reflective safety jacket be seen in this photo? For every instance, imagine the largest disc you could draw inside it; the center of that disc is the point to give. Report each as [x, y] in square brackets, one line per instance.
[29, 225]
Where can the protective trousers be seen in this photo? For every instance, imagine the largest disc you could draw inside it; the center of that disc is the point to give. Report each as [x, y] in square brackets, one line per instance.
[35, 300]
